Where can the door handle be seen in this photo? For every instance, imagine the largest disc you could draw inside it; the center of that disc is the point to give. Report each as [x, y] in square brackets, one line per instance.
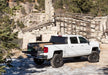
[82, 45]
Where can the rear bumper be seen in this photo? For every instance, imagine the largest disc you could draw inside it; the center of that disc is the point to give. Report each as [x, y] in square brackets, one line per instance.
[36, 54]
[41, 57]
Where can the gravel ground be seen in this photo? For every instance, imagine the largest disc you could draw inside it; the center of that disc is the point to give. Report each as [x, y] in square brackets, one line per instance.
[26, 66]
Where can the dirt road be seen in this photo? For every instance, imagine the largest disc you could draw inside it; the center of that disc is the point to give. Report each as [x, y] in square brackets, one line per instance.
[83, 62]
[81, 66]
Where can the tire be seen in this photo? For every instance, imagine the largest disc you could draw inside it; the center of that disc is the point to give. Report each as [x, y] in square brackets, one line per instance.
[94, 57]
[38, 61]
[57, 61]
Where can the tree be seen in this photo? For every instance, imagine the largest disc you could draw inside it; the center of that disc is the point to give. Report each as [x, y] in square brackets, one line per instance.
[75, 6]
[83, 5]
[7, 36]
[41, 4]
[94, 7]
[102, 7]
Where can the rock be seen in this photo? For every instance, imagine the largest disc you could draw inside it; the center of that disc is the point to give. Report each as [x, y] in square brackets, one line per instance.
[18, 54]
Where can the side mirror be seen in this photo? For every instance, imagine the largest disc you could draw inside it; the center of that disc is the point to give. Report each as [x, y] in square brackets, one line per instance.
[88, 42]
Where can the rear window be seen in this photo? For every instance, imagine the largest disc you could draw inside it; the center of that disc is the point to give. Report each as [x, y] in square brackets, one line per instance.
[73, 40]
[58, 40]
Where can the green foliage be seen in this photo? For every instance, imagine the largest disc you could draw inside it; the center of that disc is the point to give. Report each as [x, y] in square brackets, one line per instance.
[6, 33]
[7, 36]
[23, 1]
[101, 7]
[3, 5]
[59, 4]
[29, 1]
[16, 7]
[41, 5]
[83, 5]
[75, 6]
[23, 11]
[35, 11]
[20, 24]
[37, 7]
[95, 7]
[5, 9]
[2, 69]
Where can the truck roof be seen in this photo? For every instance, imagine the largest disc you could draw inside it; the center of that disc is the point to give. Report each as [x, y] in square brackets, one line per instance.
[68, 35]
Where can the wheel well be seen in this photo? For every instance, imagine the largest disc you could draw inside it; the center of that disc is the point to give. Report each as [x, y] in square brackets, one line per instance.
[95, 49]
[58, 52]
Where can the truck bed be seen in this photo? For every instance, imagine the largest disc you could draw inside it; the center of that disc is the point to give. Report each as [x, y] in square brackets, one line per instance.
[37, 45]
[32, 48]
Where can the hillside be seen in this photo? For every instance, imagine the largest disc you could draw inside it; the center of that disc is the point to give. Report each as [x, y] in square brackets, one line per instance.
[95, 7]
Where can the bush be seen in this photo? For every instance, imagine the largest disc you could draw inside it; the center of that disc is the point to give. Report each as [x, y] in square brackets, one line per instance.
[2, 69]
[95, 7]
[20, 24]
[6, 32]
[23, 11]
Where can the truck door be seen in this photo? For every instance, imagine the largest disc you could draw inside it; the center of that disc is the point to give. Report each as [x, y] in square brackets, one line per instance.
[74, 47]
[84, 46]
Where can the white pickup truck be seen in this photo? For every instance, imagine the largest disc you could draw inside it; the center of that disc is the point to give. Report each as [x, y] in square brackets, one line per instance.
[64, 46]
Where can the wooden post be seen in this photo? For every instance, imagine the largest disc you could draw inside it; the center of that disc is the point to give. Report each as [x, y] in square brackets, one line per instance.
[54, 19]
[88, 29]
[71, 26]
[78, 27]
[75, 26]
[98, 25]
[107, 25]
[60, 24]
[64, 23]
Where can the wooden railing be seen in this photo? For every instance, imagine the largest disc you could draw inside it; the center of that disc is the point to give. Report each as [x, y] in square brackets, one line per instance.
[37, 26]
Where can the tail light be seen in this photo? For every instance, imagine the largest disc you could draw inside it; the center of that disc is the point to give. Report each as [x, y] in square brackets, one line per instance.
[60, 36]
[45, 49]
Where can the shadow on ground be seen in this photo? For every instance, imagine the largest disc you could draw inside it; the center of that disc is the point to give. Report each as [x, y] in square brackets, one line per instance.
[71, 60]
[22, 67]
[27, 66]
[105, 70]
[67, 60]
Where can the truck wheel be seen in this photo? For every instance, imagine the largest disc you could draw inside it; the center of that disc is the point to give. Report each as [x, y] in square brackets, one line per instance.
[93, 57]
[57, 61]
[38, 61]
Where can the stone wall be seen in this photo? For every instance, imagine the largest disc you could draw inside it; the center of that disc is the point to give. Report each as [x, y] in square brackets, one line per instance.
[102, 35]
[46, 32]
[102, 21]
